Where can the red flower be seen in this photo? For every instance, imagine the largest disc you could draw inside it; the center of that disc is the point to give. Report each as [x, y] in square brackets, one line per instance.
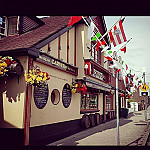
[48, 78]
[46, 73]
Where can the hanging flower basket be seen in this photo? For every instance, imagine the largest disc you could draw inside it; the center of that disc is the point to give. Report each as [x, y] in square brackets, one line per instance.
[8, 66]
[78, 87]
[36, 77]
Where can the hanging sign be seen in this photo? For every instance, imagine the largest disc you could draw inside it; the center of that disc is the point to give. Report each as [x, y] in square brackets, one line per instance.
[66, 95]
[40, 96]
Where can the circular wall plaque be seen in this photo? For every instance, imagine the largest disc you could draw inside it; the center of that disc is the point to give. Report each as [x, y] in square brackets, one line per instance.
[66, 95]
[40, 96]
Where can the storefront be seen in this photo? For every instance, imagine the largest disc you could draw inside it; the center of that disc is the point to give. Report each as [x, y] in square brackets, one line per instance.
[52, 107]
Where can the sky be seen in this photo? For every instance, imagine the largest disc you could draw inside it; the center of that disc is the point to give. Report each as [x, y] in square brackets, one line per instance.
[137, 53]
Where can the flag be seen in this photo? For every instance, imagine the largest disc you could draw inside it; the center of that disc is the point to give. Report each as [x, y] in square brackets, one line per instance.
[118, 70]
[117, 35]
[98, 35]
[100, 44]
[126, 67]
[124, 49]
[109, 58]
[109, 52]
[126, 79]
[73, 20]
[91, 30]
[133, 76]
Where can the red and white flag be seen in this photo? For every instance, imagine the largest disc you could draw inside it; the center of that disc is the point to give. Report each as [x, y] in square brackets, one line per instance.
[117, 35]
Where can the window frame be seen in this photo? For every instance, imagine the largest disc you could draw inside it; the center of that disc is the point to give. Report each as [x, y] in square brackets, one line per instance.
[95, 55]
[55, 96]
[85, 102]
[109, 106]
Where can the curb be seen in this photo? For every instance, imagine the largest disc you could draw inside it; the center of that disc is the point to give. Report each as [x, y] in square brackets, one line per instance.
[143, 140]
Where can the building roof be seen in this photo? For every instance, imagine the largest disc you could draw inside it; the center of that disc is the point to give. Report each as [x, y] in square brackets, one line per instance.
[27, 40]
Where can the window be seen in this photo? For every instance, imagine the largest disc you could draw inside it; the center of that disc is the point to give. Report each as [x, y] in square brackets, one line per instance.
[89, 101]
[12, 25]
[2, 26]
[95, 55]
[55, 96]
[108, 102]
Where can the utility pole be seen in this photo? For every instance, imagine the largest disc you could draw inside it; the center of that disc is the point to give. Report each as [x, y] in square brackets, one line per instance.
[117, 111]
[145, 113]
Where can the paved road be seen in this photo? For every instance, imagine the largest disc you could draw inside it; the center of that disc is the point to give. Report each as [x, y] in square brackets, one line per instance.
[105, 134]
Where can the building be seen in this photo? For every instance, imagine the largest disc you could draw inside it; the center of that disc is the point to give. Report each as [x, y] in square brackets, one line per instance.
[38, 116]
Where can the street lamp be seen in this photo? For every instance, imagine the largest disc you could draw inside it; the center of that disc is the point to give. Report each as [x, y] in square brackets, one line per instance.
[117, 105]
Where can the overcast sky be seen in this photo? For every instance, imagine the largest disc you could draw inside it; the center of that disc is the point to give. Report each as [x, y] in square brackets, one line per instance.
[138, 49]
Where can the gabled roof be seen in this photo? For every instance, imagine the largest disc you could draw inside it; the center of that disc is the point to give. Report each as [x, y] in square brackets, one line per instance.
[31, 41]
[33, 37]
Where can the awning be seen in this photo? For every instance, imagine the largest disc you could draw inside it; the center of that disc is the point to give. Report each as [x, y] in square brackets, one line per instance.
[97, 85]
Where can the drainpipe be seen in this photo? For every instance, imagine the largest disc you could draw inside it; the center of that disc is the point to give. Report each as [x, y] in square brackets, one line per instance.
[28, 107]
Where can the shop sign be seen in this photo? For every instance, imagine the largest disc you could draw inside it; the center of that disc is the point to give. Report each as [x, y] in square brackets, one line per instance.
[66, 95]
[99, 75]
[58, 63]
[40, 96]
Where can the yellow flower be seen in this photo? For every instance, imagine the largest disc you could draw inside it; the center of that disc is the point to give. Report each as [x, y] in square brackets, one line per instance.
[5, 70]
[38, 78]
[45, 78]
[1, 72]
[44, 74]
[5, 64]
[73, 91]
[32, 82]
[33, 71]
[76, 85]
[33, 77]
[30, 71]
[41, 74]
[29, 80]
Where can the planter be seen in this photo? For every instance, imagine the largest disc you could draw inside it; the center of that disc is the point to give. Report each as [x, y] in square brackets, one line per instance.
[15, 69]
[124, 112]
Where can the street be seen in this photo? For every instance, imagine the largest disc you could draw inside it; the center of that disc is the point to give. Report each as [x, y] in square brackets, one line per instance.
[131, 130]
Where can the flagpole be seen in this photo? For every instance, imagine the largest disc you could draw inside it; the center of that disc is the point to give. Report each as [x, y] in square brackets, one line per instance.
[124, 44]
[89, 26]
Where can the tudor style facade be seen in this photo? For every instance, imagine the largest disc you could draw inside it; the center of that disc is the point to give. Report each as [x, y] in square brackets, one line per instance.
[63, 52]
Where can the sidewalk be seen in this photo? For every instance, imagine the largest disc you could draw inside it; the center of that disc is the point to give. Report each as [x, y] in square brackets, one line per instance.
[130, 129]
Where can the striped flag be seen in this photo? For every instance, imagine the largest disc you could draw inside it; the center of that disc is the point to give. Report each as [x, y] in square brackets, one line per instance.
[117, 35]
